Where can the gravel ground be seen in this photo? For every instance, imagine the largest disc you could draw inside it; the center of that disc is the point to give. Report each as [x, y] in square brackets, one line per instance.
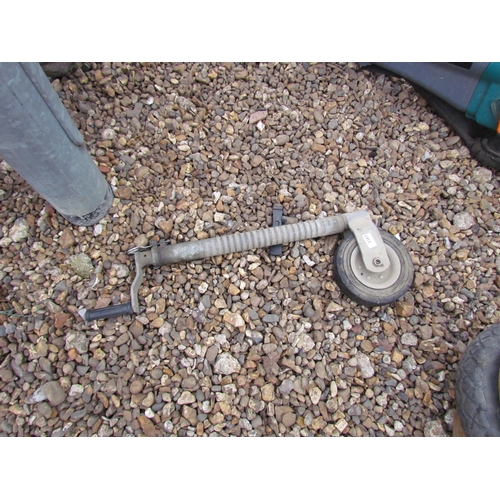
[245, 344]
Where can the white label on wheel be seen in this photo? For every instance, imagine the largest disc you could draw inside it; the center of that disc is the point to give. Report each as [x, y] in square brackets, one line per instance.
[369, 240]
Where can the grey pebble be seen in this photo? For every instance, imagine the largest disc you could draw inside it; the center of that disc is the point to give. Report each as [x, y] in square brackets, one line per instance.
[53, 392]
[211, 354]
[271, 318]
[286, 386]
[10, 329]
[122, 339]
[282, 139]
[318, 116]
[157, 407]
[253, 315]
[78, 414]
[333, 124]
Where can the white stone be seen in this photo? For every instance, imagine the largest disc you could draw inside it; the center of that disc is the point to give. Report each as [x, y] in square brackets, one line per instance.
[226, 364]
[19, 231]
[463, 220]
[76, 390]
[409, 339]
[315, 395]
[341, 425]
[199, 226]
[108, 134]
[381, 399]
[301, 340]
[333, 389]
[434, 428]
[482, 175]
[308, 260]
[365, 365]
[122, 271]
[346, 324]
[234, 319]
[389, 431]
[398, 426]
[186, 398]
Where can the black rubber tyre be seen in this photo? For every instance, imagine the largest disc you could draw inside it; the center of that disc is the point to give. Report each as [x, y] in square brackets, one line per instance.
[487, 156]
[477, 385]
[350, 284]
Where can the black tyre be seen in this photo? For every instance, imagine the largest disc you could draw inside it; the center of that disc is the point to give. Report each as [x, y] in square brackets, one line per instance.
[371, 289]
[477, 385]
[481, 149]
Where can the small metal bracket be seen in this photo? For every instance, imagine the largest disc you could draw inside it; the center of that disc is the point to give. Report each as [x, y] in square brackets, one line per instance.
[370, 243]
[278, 220]
[139, 273]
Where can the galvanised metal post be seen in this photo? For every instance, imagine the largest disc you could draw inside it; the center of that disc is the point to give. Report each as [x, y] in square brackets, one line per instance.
[39, 140]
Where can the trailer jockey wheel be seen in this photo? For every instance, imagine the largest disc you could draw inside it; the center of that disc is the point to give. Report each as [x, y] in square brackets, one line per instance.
[368, 288]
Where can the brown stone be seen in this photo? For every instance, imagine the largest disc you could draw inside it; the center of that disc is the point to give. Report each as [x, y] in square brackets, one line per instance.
[124, 192]
[136, 386]
[147, 426]
[290, 364]
[321, 148]
[157, 323]
[67, 238]
[267, 392]
[60, 319]
[367, 345]
[98, 75]
[280, 411]
[318, 424]
[200, 429]
[404, 309]
[257, 116]
[397, 357]
[72, 354]
[165, 225]
[136, 328]
[289, 419]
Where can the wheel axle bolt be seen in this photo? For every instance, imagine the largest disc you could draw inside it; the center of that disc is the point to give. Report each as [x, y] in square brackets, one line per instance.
[377, 262]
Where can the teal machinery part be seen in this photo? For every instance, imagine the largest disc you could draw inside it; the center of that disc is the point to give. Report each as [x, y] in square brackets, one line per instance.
[472, 88]
[484, 105]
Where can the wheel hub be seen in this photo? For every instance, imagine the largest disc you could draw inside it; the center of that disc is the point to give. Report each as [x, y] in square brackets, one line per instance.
[377, 281]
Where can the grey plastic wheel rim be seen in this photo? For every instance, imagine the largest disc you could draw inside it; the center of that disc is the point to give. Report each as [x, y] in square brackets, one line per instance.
[377, 281]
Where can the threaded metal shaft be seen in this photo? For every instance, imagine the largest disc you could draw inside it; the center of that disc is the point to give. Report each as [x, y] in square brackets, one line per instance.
[240, 242]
